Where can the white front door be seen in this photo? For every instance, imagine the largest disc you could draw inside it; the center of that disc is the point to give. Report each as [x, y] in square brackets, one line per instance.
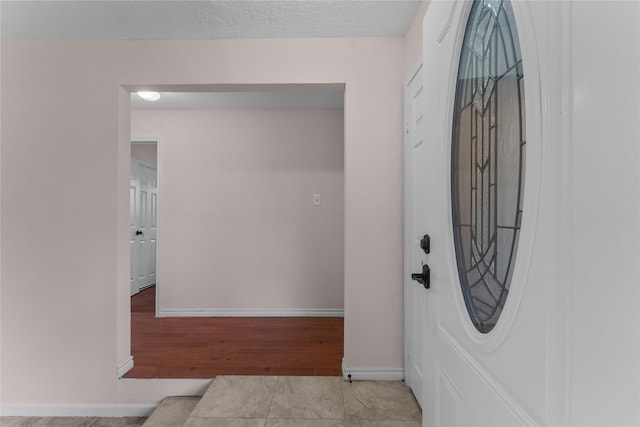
[471, 378]
[143, 228]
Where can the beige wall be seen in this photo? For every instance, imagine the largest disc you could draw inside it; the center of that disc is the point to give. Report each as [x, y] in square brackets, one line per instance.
[239, 228]
[75, 276]
[65, 137]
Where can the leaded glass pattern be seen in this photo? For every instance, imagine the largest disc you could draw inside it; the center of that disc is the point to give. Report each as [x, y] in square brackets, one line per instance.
[488, 159]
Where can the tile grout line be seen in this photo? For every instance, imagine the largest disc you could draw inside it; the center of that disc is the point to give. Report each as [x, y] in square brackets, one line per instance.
[273, 395]
[344, 406]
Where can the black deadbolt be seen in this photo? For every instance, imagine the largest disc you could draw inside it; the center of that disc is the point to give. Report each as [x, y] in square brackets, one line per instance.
[425, 244]
[423, 278]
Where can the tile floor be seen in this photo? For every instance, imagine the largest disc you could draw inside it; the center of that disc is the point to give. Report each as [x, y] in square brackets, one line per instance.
[71, 422]
[263, 401]
[305, 401]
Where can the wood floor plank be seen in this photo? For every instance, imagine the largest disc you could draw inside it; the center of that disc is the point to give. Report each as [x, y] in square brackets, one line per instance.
[203, 347]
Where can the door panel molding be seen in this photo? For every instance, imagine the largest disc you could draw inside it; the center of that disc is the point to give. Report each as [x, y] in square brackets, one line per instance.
[447, 25]
[488, 379]
[445, 383]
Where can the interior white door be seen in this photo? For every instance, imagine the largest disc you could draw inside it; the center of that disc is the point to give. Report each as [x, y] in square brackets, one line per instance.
[414, 293]
[472, 378]
[143, 228]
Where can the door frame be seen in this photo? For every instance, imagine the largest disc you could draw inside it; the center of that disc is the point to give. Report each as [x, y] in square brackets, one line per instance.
[155, 140]
[409, 328]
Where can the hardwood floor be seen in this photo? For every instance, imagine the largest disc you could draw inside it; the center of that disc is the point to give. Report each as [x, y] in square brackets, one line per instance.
[203, 347]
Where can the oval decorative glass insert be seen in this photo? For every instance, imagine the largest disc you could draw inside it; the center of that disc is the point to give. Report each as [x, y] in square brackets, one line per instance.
[488, 159]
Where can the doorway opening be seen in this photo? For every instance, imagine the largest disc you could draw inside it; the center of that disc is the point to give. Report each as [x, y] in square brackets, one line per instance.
[143, 204]
[251, 229]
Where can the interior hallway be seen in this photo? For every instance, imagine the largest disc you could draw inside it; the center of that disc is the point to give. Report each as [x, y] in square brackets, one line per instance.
[205, 347]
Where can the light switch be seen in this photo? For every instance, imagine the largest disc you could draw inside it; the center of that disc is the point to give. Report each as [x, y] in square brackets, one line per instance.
[316, 200]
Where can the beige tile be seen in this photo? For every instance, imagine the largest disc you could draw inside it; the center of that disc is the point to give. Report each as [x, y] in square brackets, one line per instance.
[380, 400]
[173, 411]
[225, 422]
[47, 421]
[378, 423]
[17, 421]
[308, 398]
[71, 422]
[305, 423]
[237, 397]
[65, 422]
[120, 422]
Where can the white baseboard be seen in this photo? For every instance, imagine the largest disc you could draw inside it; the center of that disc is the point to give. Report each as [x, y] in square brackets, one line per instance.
[78, 410]
[170, 312]
[125, 367]
[372, 374]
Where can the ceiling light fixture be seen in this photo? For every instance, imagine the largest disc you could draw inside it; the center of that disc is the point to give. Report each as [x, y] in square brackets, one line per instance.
[149, 96]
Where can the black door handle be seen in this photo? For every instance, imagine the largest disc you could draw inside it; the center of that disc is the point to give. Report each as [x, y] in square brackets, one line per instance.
[423, 278]
[138, 232]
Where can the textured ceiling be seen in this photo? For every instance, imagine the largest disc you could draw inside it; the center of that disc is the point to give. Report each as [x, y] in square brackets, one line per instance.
[201, 20]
